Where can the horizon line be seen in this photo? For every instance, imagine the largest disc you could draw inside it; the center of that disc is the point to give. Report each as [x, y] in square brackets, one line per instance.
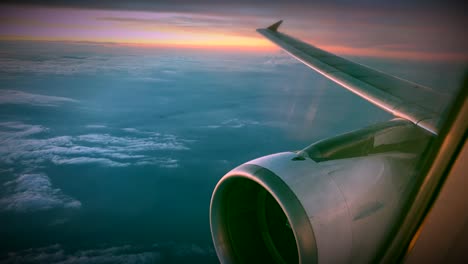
[267, 47]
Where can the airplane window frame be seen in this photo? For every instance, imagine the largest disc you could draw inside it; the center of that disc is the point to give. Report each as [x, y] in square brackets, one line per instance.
[436, 166]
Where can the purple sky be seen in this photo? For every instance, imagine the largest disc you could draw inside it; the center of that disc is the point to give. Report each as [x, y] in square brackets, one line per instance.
[412, 30]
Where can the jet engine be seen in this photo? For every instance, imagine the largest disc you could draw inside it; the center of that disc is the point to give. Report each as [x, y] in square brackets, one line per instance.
[336, 201]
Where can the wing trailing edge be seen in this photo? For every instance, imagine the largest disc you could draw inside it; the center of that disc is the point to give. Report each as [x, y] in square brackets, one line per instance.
[419, 104]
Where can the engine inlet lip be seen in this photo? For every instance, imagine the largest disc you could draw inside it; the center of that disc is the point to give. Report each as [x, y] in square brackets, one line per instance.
[284, 196]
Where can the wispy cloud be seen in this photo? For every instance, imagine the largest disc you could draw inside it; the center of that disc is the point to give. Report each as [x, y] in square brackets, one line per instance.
[154, 253]
[34, 192]
[234, 123]
[56, 254]
[137, 148]
[88, 160]
[19, 97]
[130, 63]
[153, 141]
[238, 123]
[65, 65]
[28, 147]
[279, 59]
[176, 19]
[161, 162]
[15, 130]
[96, 126]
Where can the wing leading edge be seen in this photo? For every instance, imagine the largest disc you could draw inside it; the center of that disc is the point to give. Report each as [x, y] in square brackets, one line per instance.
[419, 104]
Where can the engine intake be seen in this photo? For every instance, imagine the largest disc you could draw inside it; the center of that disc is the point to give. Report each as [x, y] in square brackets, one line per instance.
[255, 218]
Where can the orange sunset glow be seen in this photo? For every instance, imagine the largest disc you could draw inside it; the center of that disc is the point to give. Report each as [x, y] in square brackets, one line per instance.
[120, 27]
[210, 30]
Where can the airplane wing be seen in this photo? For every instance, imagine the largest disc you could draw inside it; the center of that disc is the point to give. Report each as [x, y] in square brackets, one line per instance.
[291, 207]
[419, 104]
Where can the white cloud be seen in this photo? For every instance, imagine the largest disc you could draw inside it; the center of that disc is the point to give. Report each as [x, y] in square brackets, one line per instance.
[234, 123]
[143, 148]
[150, 79]
[87, 160]
[169, 72]
[153, 141]
[95, 126]
[279, 59]
[19, 97]
[191, 250]
[34, 192]
[53, 63]
[153, 67]
[213, 126]
[56, 254]
[130, 129]
[238, 123]
[13, 130]
[161, 162]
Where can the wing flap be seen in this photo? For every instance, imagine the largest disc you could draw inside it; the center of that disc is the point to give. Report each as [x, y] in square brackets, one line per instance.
[416, 103]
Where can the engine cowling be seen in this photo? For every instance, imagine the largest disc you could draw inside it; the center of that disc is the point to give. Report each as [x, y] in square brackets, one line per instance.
[290, 208]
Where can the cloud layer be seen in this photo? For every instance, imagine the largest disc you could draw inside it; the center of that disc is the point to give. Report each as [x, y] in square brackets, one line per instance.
[129, 62]
[19, 97]
[134, 147]
[31, 148]
[235, 123]
[156, 253]
[34, 192]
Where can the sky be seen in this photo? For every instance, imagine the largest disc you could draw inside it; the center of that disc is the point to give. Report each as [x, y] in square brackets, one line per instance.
[418, 30]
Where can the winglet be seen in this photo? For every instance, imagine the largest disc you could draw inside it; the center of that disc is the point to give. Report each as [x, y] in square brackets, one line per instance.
[275, 26]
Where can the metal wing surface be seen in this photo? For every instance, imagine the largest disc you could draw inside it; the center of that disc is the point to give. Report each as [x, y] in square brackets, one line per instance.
[419, 104]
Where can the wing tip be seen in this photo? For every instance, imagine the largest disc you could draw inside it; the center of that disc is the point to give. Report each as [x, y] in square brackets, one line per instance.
[275, 26]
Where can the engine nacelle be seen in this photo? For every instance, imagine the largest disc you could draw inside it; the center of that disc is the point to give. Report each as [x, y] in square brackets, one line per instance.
[291, 208]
